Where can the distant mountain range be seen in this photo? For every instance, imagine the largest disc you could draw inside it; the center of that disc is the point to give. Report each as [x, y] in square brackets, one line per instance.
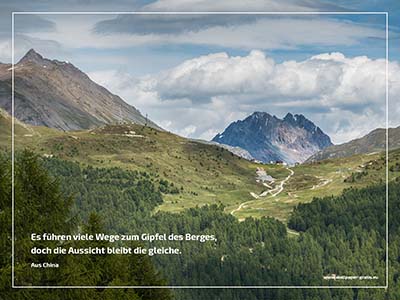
[375, 141]
[56, 94]
[268, 138]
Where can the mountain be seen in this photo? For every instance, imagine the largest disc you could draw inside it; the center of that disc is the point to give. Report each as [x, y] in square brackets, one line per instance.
[268, 138]
[375, 141]
[57, 94]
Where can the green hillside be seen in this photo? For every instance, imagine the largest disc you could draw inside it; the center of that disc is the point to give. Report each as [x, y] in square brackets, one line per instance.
[25, 134]
[5, 129]
[375, 141]
[197, 174]
[202, 174]
[253, 252]
[324, 178]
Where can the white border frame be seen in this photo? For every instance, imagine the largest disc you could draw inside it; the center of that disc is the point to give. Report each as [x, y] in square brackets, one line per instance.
[202, 13]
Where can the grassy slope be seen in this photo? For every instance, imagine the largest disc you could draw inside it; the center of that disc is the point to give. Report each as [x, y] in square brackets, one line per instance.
[25, 134]
[208, 174]
[328, 177]
[374, 141]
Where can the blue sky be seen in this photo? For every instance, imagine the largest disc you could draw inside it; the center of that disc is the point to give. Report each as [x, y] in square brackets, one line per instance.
[194, 74]
[352, 35]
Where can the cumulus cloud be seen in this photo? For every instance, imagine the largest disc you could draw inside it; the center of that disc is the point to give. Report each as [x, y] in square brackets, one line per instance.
[215, 74]
[201, 96]
[332, 79]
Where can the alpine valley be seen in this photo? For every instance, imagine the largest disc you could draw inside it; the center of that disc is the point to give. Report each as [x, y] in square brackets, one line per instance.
[61, 113]
[286, 206]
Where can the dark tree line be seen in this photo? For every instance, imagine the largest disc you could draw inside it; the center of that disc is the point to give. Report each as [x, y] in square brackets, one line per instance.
[344, 235]
[41, 206]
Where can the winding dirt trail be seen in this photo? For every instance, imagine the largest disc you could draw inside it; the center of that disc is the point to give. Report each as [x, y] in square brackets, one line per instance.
[240, 207]
[274, 192]
[280, 189]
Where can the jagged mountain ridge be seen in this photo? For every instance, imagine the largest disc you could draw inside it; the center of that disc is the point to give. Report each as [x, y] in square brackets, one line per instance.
[57, 94]
[268, 138]
[375, 141]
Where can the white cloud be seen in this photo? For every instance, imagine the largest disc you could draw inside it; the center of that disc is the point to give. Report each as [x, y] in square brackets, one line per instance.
[284, 33]
[215, 74]
[266, 32]
[200, 97]
[332, 79]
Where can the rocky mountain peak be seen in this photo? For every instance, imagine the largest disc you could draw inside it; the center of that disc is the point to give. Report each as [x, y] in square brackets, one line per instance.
[57, 94]
[290, 118]
[268, 138]
[31, 56]
[261, 116]
[300, 121]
